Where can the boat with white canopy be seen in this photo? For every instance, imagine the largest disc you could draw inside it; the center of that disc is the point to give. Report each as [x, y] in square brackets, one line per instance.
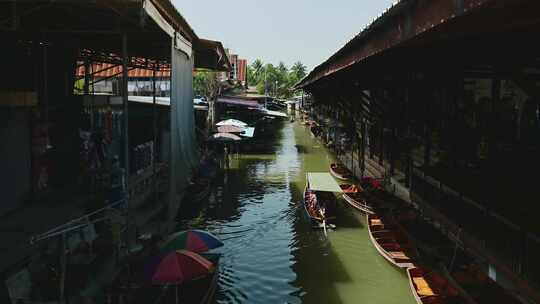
[319, 199]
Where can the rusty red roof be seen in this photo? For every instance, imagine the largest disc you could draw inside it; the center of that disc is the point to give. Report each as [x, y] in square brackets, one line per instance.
[106, 70]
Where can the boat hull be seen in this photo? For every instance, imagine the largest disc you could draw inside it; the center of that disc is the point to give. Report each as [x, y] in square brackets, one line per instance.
[339, 175]
[435, 293]
[358, 203]
[376, 237]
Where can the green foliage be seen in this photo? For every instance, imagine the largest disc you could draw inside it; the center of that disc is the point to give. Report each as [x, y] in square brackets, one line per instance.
[206, 84]
[275, 80]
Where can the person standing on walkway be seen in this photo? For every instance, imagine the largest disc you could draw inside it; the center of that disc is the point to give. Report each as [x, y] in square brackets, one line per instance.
[226, 157]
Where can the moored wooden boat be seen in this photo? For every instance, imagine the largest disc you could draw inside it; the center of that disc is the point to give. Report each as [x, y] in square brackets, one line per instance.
[432, 288]
[340, 172]
[393, 246]
[465, 275]
[355, 197]
[479, 286]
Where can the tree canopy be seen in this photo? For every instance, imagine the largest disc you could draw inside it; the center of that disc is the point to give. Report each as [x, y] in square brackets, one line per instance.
[275, 80]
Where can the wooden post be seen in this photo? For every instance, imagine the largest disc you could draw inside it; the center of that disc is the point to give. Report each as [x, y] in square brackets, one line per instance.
[407, 144]
[363, 140]
[125, 102]
[155, 128]
[86, 86]
[63, 262]
[381, 142]
[393, 149]
[495, 100]
[427, 133]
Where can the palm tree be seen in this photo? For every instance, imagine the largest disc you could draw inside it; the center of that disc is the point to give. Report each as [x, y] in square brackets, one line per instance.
[299, 70]
[258, 69]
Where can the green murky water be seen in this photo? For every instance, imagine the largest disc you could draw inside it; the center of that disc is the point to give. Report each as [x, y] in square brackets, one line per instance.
[271, 255]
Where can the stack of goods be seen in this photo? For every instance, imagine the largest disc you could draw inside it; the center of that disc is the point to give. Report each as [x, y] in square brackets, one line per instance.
[143, 156]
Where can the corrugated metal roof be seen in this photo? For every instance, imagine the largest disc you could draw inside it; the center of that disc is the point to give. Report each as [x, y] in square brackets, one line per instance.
[401, 22]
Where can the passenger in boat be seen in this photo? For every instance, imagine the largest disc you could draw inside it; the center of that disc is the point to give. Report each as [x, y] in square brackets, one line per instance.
[322, 211]
[312, 203]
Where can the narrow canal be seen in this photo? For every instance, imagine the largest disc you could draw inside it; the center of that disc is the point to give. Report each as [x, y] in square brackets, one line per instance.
[271, 255]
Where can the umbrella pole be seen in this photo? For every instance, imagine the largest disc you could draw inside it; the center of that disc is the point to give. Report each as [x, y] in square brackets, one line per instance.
[176, 294]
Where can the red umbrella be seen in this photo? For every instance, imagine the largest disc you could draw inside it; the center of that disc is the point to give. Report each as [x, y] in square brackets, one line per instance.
[180, 266]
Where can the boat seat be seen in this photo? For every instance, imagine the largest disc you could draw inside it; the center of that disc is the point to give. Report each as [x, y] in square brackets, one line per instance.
[376, 222]
[399, 255]
[422, 287]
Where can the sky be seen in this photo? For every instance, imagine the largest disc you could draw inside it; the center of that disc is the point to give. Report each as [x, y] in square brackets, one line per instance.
[309, 31]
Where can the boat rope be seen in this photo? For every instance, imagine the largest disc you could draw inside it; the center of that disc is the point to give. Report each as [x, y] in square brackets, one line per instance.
[455, 251]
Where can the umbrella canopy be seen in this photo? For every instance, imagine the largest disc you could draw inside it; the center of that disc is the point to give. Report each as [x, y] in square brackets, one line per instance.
[224, 137]
[232, 122]
[230, 129]
[192, 240]
[181, 266]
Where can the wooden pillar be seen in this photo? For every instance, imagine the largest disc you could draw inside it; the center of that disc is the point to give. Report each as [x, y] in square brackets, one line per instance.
[86, 87]
[456, 92]
[381, 142]
[407, 145]
[155, 133]
[427, 130]
[125, 102]
[363, 140]
[495, 100]
[393, 150]
[63, 263]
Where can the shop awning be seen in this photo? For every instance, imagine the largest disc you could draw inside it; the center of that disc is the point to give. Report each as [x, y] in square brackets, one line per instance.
[322, 181]
[239, 102]
[273, 113]
[248, 132]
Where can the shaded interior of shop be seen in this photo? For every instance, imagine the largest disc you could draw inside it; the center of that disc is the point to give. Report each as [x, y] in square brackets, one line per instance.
[67, 151]
[453, 115]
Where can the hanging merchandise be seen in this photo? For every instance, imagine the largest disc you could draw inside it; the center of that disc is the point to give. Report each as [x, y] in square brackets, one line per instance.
[100, 132]
[117, 183]
[143, 156]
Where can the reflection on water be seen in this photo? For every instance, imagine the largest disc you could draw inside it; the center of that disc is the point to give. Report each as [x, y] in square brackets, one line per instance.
[271, 255]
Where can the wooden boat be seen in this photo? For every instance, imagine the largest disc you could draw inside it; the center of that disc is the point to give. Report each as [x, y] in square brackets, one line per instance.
[432, 288]
[340, 171]
[356, 198]
[466, 276]
[319, 201]
[480, 287]
[393, 246]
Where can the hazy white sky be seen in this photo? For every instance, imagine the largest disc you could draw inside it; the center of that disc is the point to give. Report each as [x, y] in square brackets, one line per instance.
[281, 30]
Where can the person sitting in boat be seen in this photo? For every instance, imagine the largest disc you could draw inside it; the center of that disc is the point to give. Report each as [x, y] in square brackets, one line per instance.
[322, 211]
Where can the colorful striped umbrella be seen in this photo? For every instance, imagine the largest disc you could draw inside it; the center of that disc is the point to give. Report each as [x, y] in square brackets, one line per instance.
[181, 266]
[192, 240]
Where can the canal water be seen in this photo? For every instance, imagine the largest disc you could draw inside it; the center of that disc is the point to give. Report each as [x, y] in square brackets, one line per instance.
[271, 255]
